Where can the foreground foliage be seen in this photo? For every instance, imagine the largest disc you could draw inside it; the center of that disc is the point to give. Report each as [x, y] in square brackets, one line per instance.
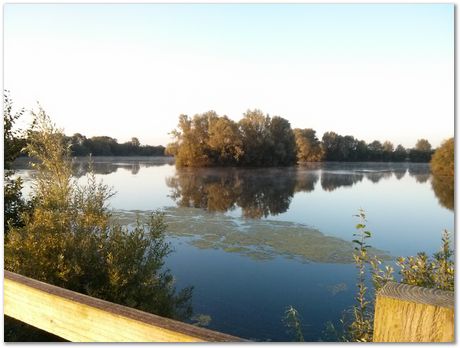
[68, 240]
[436, 272]
[357, 323]
[13, 141]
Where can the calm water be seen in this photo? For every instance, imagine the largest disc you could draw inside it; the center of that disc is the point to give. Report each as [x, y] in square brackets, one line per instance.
[254, 241]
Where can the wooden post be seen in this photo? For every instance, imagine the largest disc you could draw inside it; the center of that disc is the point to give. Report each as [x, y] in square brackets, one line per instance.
[406, 313]
[80, 318]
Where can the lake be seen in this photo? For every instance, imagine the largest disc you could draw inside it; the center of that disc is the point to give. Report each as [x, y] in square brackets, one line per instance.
[254, 241]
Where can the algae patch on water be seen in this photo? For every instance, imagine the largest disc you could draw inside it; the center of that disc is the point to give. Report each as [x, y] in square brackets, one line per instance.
[254, 238]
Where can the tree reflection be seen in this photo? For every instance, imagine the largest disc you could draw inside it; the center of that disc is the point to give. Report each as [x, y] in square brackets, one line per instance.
[331, 181]
[263, 192]
[258, 192]
[80, 167]
[419, 173]
[375, 177]
[443, 187]
[400, 172]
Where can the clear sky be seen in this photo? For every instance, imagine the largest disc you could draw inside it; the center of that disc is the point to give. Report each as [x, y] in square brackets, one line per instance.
[373, 71]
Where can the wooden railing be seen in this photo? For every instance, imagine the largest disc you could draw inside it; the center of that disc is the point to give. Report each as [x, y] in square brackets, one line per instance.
[405, 313]
[80, 318]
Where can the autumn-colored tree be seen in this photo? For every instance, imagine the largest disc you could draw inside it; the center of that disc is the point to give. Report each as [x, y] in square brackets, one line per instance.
[442, 162]
[225, 141]
[388, 149]
[308, 145]
[442, 166]
[255, 134]
[189, 146]
[421, 152]
[423, 145]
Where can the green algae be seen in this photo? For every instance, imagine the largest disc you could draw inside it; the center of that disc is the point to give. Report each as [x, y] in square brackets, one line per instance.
[254, 238]
[335, 289]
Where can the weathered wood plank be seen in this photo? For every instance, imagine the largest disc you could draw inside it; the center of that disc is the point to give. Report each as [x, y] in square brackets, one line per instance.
[405, 313]
[80, 318]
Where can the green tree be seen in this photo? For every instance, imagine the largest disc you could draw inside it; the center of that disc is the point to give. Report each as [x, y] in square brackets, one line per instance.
[388, 149]
[283, 151]
[331, 143]
[400, 153]
[13, 141]
[79, 145]
[135, 142]
[69, 240]
[225, 141]
[375, 150]
[362, 151]
[255, 135]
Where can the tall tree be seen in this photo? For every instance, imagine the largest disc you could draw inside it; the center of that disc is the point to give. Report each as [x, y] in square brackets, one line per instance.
[283, 151]
[331, 143]
[225, 141]
[421, 152]
[423, 145]
[442, 162]
[375, 150]
[13, 141]
[308, 145]
[255, 135]
[400, 153]
[388, 149]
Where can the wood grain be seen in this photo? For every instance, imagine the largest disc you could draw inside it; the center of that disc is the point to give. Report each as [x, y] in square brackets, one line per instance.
[80, 318]
[405, 313]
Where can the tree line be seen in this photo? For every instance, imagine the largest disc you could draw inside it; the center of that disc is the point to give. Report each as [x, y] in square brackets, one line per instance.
[80, 145]
[260, 140]
[103, 145]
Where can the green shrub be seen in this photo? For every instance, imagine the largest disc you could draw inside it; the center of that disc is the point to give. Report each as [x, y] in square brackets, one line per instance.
[68, 240]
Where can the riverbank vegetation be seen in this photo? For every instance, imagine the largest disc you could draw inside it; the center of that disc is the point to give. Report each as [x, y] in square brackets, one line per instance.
[80, 145]
[66, 238]
[442, 167]
[357, 323]
[261, 140]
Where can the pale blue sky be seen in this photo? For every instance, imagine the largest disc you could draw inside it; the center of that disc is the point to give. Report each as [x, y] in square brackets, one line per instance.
[372, 71]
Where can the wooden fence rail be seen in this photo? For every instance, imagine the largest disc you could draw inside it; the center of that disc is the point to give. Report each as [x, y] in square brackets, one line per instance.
[80, 318]
[405, 313]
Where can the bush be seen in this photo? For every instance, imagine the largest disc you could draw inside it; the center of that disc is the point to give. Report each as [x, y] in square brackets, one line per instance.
[68, 239]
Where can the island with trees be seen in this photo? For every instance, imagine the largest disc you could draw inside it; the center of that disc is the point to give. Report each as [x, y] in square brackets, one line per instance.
[259, 140]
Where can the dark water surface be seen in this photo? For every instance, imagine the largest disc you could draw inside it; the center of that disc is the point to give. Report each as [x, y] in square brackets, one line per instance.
[254, 241]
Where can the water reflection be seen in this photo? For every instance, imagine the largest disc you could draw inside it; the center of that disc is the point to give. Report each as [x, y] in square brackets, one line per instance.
[419, 172]
[331, 181]
[269, 191]
[105, 165]
[399, 173]
[443, 187]
[259, 192]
